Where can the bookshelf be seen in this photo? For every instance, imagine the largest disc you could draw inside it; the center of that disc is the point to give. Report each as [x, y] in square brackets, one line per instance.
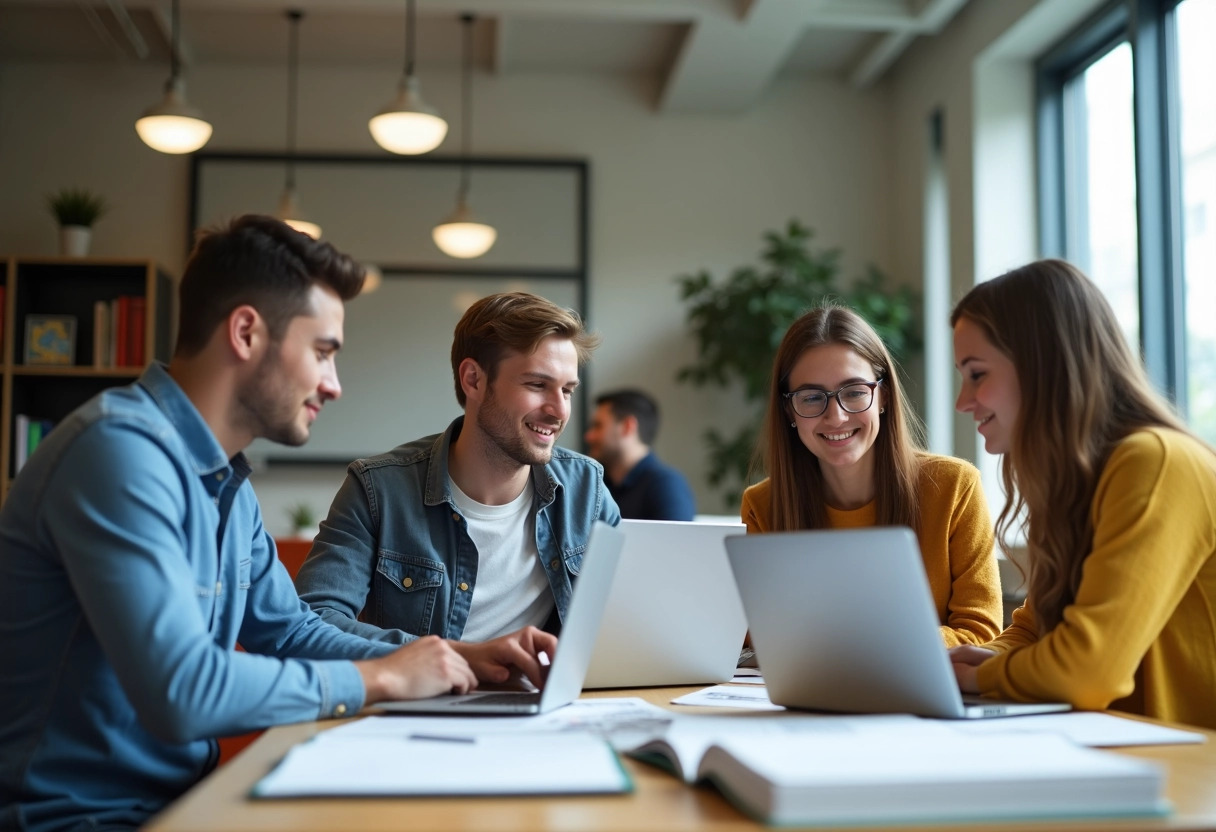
[52, 297]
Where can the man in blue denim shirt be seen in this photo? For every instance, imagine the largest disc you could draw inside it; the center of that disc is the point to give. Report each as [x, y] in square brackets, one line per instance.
[133, 558]
[474, 534]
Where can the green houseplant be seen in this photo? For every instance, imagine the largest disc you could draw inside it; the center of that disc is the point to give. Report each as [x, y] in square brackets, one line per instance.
[76, 210]
[303, 520]
[738, 324]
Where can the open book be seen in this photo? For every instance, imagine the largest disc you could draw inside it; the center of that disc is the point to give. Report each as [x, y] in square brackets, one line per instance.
[853, 772]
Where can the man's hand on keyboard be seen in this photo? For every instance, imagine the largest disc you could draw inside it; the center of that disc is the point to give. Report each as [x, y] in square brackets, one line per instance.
[499, 660]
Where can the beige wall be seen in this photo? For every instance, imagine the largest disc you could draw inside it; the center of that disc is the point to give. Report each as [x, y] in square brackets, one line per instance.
[670, 193]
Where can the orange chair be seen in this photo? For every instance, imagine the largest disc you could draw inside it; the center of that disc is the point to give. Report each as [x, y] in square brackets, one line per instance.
[292, 552]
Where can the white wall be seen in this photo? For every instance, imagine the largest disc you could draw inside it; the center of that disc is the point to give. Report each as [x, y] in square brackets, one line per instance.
[670, 193]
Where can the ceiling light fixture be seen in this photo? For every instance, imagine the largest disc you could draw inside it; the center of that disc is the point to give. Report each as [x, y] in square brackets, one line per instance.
[460, 235]
[173, 126]
[407, 124]
[289, 210]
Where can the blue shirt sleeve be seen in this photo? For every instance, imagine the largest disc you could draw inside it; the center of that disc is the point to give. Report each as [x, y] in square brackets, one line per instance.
[117, 513]
[336, 577]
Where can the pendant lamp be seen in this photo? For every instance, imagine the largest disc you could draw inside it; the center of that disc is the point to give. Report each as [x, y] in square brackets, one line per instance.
[173, 126]
[461, 235]
[407, 124]
[289, 209]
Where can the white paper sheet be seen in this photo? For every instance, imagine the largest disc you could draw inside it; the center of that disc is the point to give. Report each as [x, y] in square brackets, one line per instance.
[1096, 730]
[754, 697]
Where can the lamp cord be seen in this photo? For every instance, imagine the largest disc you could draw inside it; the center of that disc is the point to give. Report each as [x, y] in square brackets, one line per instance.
[293, 54]
[175, 48]
[409, 38]
[466, 116]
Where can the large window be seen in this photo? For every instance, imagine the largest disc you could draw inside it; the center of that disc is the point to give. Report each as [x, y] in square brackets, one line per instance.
[1127, 157]
[1196, 24]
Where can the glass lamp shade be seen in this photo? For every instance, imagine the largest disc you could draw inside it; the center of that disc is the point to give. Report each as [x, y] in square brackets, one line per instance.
[374, 277]
[289, 212]
[408, 125]
[460, 235]
[173, 126]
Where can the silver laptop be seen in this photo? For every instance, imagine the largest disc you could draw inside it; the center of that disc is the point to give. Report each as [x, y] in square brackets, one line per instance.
[569, 666]
[674, 616]
[844, 620]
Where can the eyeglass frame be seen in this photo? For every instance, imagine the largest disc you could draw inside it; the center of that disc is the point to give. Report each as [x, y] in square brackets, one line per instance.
[827, 399]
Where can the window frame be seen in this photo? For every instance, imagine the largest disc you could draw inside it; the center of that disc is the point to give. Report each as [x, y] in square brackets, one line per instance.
[1148, 26]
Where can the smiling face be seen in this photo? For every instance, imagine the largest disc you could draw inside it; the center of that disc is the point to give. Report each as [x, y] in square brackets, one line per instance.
[296, 376]
[528, 403]
[990, 392]
[839, 439]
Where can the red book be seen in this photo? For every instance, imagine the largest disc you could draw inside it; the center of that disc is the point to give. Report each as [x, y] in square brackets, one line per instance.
[136, 336]
[120, 328]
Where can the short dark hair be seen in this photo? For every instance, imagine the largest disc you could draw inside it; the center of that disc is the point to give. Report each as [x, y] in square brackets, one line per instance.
[516, 321]
[637, 404]
[263, 262]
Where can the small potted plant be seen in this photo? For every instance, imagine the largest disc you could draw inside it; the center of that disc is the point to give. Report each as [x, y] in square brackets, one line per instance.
[75, 209]
[303, 519]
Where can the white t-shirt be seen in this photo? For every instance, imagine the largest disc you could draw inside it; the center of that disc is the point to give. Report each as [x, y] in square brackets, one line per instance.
[512, 590]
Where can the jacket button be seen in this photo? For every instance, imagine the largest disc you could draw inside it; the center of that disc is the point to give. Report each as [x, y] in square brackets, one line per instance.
[407, 582]
[340, 709]
[553, 564]
[456, 517]
[464, 587]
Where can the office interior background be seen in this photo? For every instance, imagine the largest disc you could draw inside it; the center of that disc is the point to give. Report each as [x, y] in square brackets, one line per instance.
[944, 141]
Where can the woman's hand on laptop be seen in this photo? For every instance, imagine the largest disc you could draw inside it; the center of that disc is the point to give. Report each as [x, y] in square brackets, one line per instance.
[500, 659]
[418, 670]
[965, 659]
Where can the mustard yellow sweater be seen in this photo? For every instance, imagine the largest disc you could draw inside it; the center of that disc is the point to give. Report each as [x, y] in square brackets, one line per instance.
[1141, 634]
[956, 543]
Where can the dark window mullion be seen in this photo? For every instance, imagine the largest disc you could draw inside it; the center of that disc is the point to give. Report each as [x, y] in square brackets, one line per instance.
[1158, 199]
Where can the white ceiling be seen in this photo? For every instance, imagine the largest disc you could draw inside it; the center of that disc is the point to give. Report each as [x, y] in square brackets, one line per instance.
[710, 55]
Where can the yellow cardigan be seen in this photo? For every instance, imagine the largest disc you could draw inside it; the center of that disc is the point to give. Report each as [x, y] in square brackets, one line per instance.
[956, 544]
[1141, 633]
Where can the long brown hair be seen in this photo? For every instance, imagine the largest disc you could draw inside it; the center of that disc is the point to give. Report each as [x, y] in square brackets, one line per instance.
[1083, 390]
[796, 480]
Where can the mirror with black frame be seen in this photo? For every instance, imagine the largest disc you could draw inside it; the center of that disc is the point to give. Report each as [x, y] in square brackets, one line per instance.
[394, 366]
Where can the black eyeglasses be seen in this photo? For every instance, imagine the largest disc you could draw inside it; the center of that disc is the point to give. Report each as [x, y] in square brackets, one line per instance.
[809, 402]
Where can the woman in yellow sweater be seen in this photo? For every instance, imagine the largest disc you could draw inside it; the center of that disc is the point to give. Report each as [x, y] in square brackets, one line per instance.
[1119, 501]
[839, 454]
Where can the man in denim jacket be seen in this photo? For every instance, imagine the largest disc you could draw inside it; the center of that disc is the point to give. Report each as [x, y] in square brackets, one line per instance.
[133, 557]
[477, 533]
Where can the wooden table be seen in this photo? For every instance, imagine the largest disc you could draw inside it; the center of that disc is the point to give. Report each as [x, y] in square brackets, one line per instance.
[659, 801]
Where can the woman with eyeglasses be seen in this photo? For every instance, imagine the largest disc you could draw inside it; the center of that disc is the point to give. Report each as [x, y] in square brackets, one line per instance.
[839, 451]
[1116, 497]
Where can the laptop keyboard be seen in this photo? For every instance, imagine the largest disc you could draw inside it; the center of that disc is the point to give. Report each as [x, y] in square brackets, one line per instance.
[501, 699]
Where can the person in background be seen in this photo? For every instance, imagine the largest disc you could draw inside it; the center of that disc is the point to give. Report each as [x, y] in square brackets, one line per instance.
[840, 453]
[477, 533]
[622, 432]
[133, 558]
[1118, 500]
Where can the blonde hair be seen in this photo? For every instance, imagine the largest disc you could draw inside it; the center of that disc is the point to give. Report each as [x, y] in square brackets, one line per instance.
[513, 322]
[1082, 390]
[795, 477]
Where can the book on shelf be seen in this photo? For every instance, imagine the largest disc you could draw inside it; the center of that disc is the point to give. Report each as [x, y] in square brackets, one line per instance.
[28, 433]
[119, 332]
[907, 775]
[447, 763]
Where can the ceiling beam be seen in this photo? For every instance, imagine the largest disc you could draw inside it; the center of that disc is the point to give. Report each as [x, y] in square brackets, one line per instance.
[725, 64]
[931, 18]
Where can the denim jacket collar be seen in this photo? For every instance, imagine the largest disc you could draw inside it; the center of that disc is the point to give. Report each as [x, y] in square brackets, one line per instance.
[206, 455]
[437, 491]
